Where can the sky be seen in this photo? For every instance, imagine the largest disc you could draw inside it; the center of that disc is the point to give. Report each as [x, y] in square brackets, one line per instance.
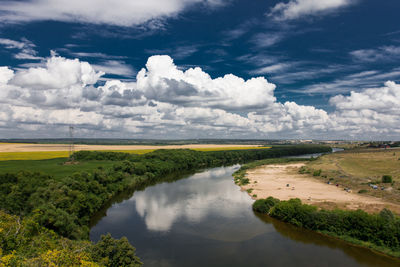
[187, 69]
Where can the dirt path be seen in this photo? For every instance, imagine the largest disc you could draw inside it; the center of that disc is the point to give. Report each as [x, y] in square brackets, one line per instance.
[272, 180]
[64, 147]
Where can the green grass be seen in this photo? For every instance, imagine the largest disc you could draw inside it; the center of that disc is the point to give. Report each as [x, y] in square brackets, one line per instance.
[53, 167]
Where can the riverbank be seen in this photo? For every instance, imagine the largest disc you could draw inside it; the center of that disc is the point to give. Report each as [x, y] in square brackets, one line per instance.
[284, 182]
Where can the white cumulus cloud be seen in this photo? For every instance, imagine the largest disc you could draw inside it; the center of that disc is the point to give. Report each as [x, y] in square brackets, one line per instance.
[58, 73]
[5, 75]
[163, 81]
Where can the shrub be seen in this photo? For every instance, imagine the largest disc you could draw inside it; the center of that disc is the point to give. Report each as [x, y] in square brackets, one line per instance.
[362, 191]
[115, 252]
[264, 205]
[387, 179]
[303, 170]
[317, 172]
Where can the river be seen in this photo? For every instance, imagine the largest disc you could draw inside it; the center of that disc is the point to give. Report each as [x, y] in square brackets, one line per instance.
[205, 220]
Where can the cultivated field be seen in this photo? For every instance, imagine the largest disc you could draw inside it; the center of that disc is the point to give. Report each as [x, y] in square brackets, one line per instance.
[21, 151]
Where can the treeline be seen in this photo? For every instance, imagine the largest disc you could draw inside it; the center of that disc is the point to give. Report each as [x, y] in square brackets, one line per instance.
[66, 205]
[378, 231]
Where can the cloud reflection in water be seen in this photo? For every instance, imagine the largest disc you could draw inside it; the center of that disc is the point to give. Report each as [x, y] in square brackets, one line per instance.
[192, 199]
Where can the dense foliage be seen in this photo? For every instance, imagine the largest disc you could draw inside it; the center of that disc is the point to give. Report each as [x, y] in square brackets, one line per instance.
[65, 205]
[104, 155]
[265, 205]
[379, 231]
[25, 243]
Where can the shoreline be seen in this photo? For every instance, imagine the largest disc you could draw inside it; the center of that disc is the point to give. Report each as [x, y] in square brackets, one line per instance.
[267, 181]
[282, 181]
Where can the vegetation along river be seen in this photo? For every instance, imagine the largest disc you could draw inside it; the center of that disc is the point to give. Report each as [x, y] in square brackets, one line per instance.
[205, 220]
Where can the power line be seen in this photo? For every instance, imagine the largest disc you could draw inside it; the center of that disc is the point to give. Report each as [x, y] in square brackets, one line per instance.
[71, 144]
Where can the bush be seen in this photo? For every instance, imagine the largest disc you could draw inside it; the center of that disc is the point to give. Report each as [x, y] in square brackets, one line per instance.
[264, 205]
[303, 169]
[317, 172]
[362, 191]
[387, 179]
[113, 252]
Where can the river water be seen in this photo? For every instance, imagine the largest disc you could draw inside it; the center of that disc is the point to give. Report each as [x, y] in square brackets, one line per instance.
[205, 220]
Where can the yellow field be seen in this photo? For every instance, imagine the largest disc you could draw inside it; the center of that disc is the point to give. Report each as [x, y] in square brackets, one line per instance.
[32, 155]
[39, 155]
[357, 169]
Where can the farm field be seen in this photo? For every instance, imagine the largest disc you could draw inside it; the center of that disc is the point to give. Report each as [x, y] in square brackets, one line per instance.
[358, 169]
[40, 151]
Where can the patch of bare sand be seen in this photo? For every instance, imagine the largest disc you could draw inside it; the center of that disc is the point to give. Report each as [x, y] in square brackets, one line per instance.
[272, 180]
[8, 147]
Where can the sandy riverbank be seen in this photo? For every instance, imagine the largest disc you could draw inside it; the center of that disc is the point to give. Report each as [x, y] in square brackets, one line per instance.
[272, 180]
[5, 147]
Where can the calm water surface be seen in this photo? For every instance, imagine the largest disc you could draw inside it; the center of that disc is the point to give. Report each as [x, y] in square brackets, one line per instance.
[205, 220]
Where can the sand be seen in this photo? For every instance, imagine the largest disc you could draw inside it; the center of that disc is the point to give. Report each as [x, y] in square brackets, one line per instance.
[8, 147]
[272, 180]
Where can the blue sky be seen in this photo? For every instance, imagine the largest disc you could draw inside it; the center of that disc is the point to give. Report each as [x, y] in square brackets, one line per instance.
[330, 68]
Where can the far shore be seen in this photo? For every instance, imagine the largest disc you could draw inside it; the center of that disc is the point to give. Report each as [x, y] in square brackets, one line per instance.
[21, 147]
[283, 181]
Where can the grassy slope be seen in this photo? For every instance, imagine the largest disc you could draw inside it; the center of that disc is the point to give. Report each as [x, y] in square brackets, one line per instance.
[356, 169]
[53, 167]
